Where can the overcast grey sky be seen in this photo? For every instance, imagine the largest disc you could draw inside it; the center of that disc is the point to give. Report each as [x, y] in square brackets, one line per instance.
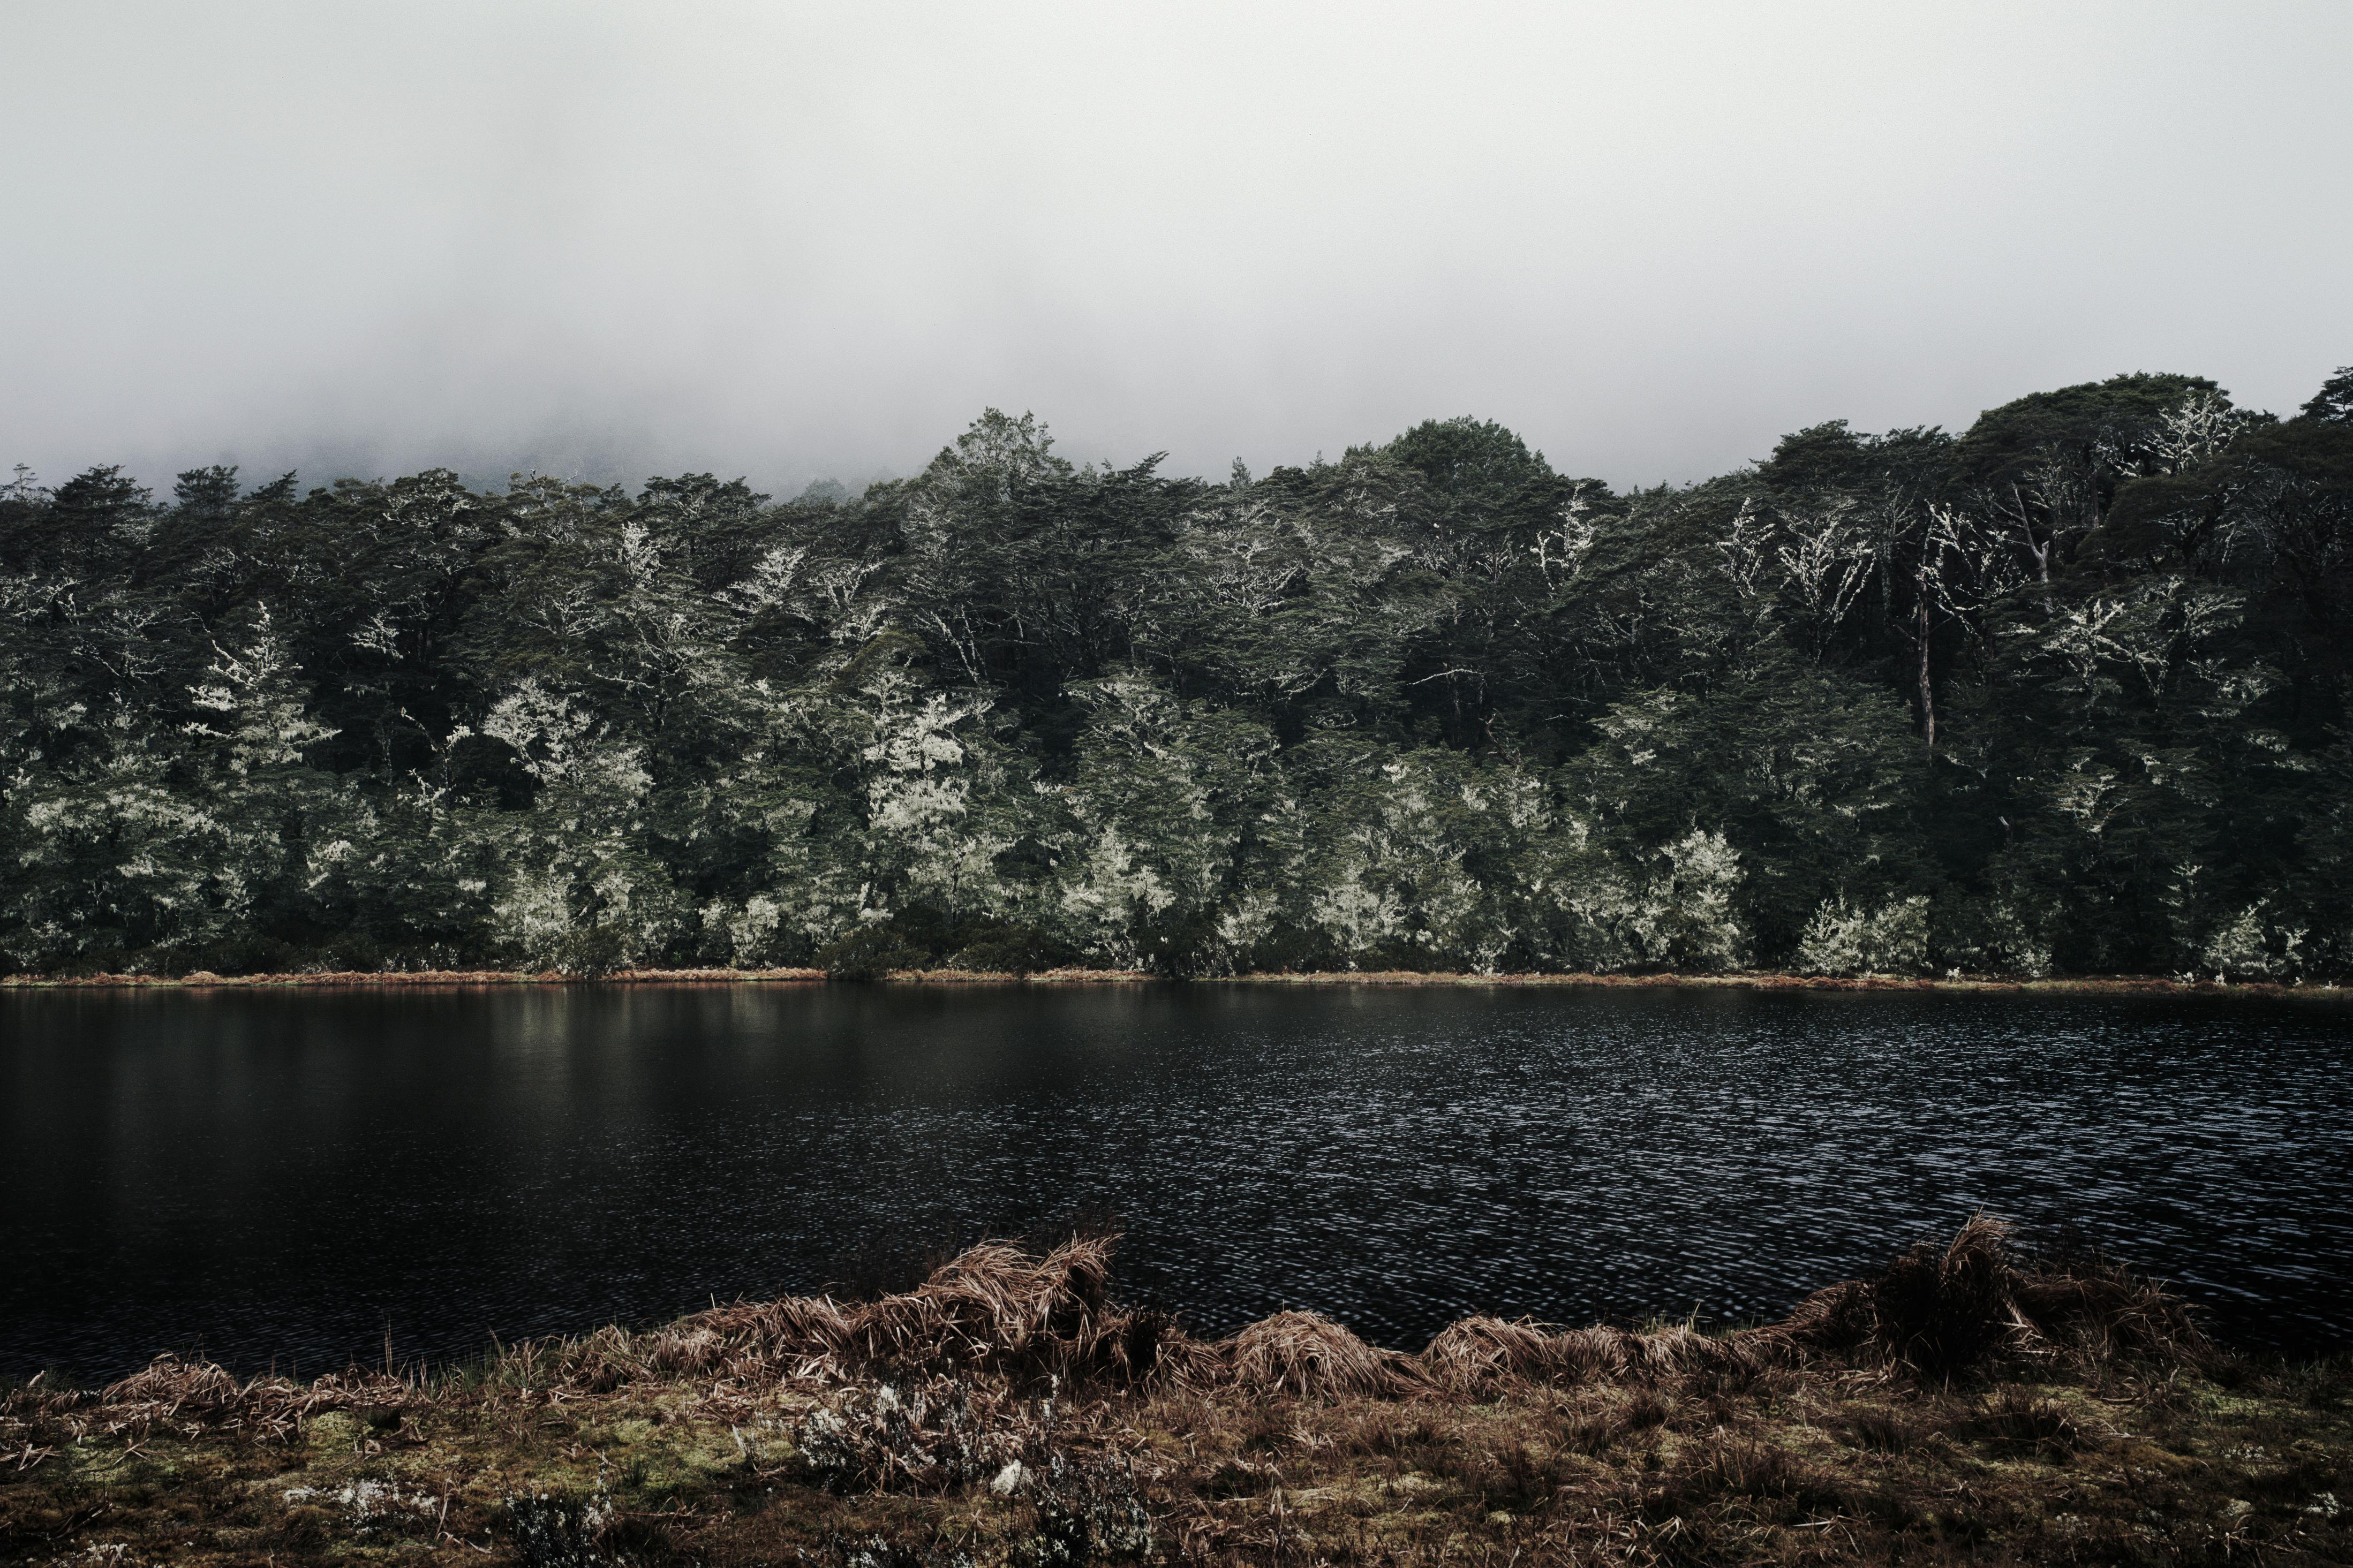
[795, 241]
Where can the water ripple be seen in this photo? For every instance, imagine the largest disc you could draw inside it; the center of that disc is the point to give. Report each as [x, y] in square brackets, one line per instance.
[293, 1175]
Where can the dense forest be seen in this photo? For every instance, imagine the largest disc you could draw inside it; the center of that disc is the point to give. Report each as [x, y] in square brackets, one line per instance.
[2064, 693]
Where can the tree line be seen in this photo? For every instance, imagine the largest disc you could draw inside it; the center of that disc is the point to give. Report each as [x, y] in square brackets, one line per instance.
[2065, 693]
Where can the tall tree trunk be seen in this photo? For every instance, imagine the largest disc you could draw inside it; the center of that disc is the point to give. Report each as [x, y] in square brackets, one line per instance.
[1928, 694]
[2039, 553]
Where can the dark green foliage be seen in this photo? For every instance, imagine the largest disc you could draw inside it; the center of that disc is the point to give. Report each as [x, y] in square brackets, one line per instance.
[868, 953]
[2334, 402]
[2065, 693]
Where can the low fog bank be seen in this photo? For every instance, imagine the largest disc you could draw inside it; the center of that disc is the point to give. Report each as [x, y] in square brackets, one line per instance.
[606, 242]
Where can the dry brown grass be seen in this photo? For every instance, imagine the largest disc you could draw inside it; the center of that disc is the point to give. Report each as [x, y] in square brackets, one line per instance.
[190, 1397]
[1967, 1402]
[1310, 1356]
[997, 1311]
[2106, 985]
[1938, 1311]
[993, 1310]
[1476, 1354]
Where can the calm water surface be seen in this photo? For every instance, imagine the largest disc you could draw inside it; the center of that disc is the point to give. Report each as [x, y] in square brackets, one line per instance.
[293, 1176]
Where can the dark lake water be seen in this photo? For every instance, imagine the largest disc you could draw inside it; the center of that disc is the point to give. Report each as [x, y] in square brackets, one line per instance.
[293, 1176]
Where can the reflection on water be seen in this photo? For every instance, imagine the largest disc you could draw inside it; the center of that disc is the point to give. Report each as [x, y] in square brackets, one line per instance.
[292, 1175]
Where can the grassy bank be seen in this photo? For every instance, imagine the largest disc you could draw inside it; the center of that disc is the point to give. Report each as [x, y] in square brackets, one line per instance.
[2112, 984]
[1968, 1403]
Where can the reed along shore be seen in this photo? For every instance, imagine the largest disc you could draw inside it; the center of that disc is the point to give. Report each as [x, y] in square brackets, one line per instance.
[2062, 985]
[1969, 1403]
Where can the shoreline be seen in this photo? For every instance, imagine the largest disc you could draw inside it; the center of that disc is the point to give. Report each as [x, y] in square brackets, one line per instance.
[1965, 1402]
[2110, 984]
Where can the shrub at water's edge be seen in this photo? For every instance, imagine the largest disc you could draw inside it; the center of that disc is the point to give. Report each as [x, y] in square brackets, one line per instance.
[2084, 986]
[1966, 1402]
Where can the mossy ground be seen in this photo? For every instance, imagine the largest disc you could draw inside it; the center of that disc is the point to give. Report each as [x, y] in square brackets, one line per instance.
[2227, 1464]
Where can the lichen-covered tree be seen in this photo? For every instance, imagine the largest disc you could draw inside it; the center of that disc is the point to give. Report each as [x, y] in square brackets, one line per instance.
[2062, 692]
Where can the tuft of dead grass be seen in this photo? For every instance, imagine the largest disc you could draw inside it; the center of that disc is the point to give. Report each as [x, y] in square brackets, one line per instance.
[993, 1309]
[170, 1394]
[1940, 1310]
[1479, 1353]
[1310, 1356]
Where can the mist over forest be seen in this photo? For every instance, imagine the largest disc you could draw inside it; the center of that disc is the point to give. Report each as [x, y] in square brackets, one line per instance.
[2065, 693]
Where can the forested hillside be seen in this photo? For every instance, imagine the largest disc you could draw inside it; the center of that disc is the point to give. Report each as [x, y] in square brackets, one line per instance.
[2066, 692]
